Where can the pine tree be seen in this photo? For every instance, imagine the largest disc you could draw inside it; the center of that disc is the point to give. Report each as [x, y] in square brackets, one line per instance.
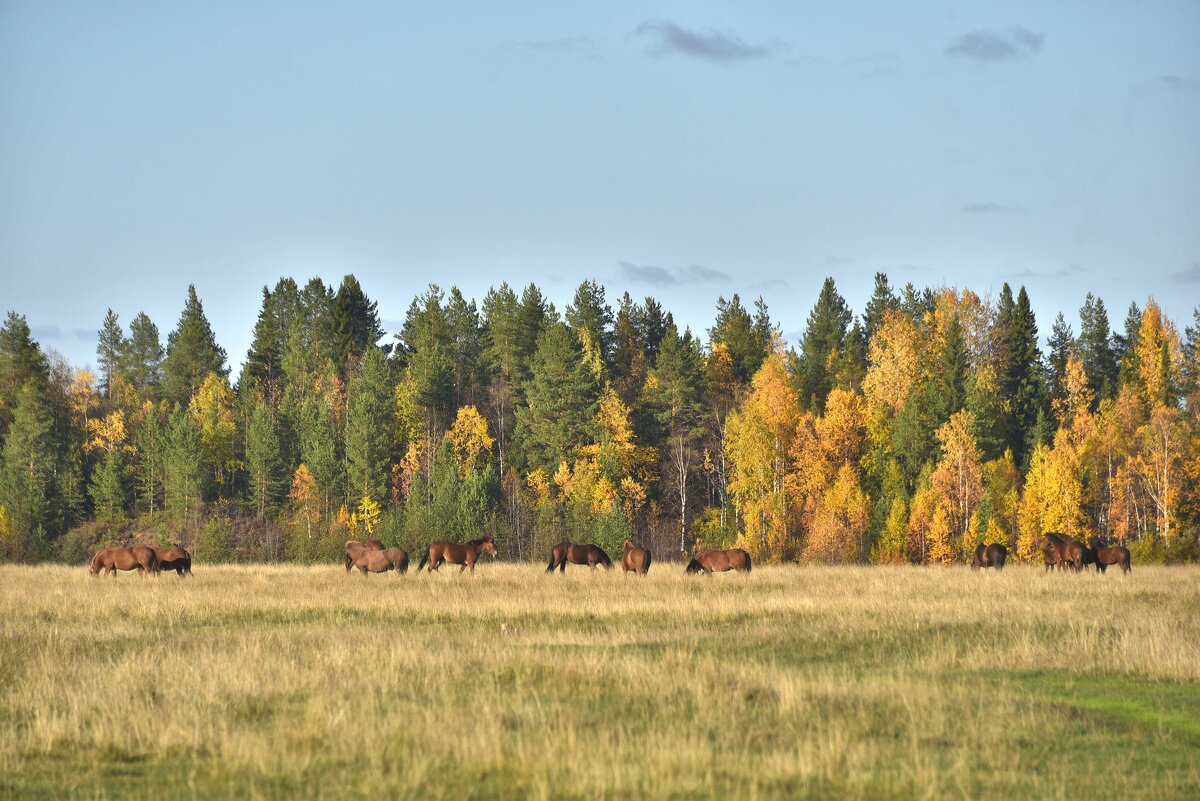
[141, 362]
[192, 353]
[107, 488]
[591, 319]
[182, 469]
[21, 361]
[561, 395]
[466, 349]
[264, 465]
[356, 325]
[109, 348]
[1096, 351]
[1062, 344]
[823, 341]
[1125, 346]
[1021, 377]
[744, 340]
[883, 299]
[428, 342]
[368, 428]
[27, 474]
[318, 450]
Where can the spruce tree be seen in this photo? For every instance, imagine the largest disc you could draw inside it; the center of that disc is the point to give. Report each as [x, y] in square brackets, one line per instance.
[21, 362]
[742, 335]
[466, 350]
[428, 343]
[111, 344]
[318, 451]
[183, 474]
[192, 353]
[141, 363]
[591, 319]
[1021, 378]
[150, 447]
[27, 464]
[883, 300]
[107, 488]
[264, 463]
[1096, 351]
[355, 322]
[369, 417]
[1061, 343]
[561, 395]
[823, 341]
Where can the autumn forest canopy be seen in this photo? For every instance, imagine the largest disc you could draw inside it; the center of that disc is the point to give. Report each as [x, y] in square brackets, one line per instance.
[928, 422]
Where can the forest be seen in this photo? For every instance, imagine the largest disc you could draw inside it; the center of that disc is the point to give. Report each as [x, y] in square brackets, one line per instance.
[931, 421]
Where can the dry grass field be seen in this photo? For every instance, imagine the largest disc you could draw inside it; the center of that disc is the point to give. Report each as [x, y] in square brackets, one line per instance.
[793, 682]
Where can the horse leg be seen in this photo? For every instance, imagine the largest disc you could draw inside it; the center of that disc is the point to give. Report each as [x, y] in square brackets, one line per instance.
[464, 567]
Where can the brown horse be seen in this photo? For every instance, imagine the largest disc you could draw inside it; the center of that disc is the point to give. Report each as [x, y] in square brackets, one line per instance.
[717, 560]
[465, 554]
[993, 555]
[114, 558]
[173, 558]
[381, 561]
[354, 548]
[1111, 555]
[590, 555]
[635, 559]
[1062, 551]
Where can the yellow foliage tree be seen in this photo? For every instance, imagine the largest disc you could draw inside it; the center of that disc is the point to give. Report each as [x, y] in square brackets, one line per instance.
[211, 410]
[106, 434]
[470, 442]
[958, 477]
[306, 498]
[1159, 465]
[840, 521]
[368, 515]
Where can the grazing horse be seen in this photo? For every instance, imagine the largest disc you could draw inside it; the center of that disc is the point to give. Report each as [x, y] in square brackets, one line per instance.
[590, 555]
[354, 548]
[635, 558]
[114, 558]
[1111, 555]
[457, 554]
[993, 555]
[718, 560]
[173, 558]
[381, 561]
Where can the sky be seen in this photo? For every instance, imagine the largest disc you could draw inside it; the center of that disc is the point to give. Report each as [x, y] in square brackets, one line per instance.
[680, 150]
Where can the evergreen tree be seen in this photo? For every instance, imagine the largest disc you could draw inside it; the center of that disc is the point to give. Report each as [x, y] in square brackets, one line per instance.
[651, 323]
[1125, 347]
[823, 342]
[264, 464]
[141, 363]
[1062, 343]
[192, 353]
[466, 349]
[631, 363]
[428, 343]
[883, 299]
[356, 325]
[505, 364]
[1191, 354]
[591, 319]
[1020, 378]
[951, 379]
[561, 394]
[21, 362]
[535, 316]
[1096, 351]
[109, 349]
[368, 426]
[318, 450]
[743, 337]
[27, 474]
[182, 471]
[150, 447]
[107, 488]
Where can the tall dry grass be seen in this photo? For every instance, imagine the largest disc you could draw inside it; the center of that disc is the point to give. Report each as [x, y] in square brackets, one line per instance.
[791, 682]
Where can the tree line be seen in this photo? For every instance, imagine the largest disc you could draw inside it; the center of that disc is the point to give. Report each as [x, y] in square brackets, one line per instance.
[910, 432]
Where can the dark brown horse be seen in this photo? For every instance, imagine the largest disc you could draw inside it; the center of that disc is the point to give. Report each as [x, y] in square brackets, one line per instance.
[465, 554]
[590, 555]
[354, 548]
[1111, 555]
[635, 559]
[173, 558]
[381, 561]
[994, 555]
[114, 558]
[718, 561]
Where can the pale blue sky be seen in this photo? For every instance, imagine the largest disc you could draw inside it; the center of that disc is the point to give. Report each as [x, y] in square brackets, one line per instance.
[685, 150]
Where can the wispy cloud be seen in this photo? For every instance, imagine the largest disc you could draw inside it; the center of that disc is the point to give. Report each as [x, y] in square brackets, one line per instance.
[990, 207]
[660, 276]
[565, 45]
[1061, 272]
[1188, 275]
[666, 38]
[988, 44]
[52, 331]
[768, 285]
[1180, 83]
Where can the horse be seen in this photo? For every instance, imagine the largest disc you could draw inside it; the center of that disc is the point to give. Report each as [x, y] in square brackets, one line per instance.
[354, 548]
[381, 561]
[719, 560]
[993, 555]
[1111, 555]
[457, 554]
[173, 558]
[1069, 551]
[635, 558]
[114, 558]
[590, 555]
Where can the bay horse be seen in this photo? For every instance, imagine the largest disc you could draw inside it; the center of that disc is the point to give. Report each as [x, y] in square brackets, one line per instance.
[380, 561]
[590, 555]
[354, 548]
[1111, 555]
[114, 558]
[173, 558]
[1062, 551]
[635, 558]
[993, 555]
[718, 560]
[465, 554]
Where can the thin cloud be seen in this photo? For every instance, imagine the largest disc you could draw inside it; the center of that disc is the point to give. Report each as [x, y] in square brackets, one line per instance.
[1180, 83]
[990, 207]
[565, 45]
[1189, 275]
[725, 47]
[988, 44]
[660, 276]
[40, 332]
[769, 285]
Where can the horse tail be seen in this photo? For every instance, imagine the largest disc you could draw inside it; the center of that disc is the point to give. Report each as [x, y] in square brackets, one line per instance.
[646, 566]
[693, 567]
[550, 566]
[749, 564]
[424, 560]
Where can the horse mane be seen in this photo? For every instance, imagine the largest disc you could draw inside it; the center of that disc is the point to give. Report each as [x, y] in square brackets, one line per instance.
[481, 540]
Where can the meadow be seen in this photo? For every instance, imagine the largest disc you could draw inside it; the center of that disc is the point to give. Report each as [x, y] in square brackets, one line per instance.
[792, 682]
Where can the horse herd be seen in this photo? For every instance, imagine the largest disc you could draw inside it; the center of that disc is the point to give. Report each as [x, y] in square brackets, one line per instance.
[369, 557]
